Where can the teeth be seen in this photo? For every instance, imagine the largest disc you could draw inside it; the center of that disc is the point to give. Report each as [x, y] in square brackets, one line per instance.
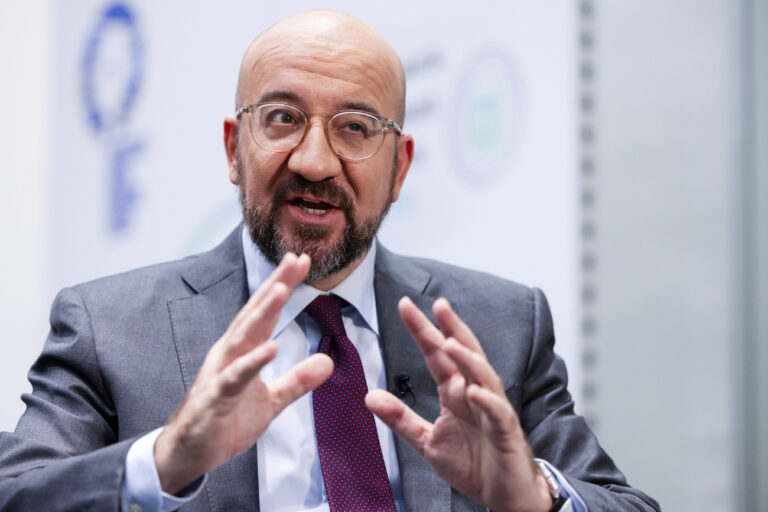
[313, 211]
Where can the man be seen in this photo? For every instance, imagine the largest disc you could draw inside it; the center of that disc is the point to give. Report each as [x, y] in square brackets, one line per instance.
[317, 151]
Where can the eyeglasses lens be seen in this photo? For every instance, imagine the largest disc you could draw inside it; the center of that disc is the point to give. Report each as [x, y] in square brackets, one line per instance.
[352, 135]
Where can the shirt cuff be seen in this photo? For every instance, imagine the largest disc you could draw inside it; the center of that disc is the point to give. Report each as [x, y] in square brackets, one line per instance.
[141, 488]
[574, 503]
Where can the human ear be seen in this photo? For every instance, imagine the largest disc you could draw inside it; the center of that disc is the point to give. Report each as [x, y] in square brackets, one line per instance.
[404, 158]
[231, 131]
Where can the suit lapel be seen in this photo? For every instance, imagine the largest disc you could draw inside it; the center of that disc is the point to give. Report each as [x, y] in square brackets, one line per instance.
[219, 288]
[397, 277]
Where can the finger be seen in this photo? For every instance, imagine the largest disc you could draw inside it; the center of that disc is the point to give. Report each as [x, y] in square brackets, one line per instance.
[291, 271]
[259, 322]
[400, 418]
[452, 326]
[502, 421]
[254, 323]
[300, 380]
[239, 373]
[473, 366]
[453, 397]
[254, 328]
[429, 339]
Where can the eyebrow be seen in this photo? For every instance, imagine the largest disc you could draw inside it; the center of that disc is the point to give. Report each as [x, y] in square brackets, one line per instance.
[362, 107]
[279, 95]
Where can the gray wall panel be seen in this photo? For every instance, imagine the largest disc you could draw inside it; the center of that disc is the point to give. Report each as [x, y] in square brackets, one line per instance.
[664, 320]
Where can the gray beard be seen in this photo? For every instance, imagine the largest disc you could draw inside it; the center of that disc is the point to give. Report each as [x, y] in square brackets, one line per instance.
[356, 238]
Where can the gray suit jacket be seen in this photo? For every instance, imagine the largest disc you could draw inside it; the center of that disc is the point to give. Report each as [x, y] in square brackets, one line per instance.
[123, 350]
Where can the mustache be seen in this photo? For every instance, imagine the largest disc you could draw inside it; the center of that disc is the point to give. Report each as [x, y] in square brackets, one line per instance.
[328, 191]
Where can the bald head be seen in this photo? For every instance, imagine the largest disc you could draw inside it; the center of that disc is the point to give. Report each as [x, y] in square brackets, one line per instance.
[339, 40]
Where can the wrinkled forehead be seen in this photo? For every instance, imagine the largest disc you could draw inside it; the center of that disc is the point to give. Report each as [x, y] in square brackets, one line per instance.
[325, 54]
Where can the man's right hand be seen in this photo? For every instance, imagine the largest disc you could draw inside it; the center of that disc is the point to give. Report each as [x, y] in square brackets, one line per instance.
[228, 406]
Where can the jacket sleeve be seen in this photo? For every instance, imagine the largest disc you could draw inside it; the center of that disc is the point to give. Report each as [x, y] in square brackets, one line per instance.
[563, 438]
[64, 453]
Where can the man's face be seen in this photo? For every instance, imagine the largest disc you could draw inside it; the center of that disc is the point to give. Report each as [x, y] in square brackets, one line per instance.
[309, 200]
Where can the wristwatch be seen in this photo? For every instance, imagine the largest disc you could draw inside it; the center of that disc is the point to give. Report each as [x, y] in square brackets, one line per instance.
[558, 500]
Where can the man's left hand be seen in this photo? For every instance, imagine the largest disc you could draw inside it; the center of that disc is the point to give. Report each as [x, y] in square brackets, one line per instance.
[476, 444]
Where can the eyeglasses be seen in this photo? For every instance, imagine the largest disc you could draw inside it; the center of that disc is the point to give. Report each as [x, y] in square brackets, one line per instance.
[353, 136]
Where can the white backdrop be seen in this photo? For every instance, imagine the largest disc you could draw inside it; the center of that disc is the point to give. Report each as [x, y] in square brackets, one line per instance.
[137, 171]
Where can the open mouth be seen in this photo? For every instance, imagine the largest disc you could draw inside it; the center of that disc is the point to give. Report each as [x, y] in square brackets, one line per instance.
[312, 206]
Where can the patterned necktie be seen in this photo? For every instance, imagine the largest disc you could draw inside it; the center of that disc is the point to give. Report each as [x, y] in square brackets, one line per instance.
[350, 455]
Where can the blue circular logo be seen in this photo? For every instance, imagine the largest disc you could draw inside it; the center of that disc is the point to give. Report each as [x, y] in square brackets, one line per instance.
[112, 68]
[488, 117]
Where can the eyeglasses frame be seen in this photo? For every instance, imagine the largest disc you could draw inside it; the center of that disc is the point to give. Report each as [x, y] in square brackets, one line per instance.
[387, 125]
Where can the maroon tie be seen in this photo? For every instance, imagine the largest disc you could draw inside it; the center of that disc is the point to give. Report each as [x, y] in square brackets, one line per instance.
[350, 455]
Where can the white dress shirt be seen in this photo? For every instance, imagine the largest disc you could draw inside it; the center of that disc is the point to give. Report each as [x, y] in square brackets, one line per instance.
[290, 478]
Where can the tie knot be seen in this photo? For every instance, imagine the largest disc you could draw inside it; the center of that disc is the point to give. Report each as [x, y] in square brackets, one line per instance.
[326, 311]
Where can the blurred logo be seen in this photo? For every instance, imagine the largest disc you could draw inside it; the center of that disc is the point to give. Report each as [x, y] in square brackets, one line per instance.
[112, 69]
[488, 116]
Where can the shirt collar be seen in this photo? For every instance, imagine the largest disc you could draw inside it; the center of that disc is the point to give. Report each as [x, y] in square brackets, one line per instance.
[357, 288]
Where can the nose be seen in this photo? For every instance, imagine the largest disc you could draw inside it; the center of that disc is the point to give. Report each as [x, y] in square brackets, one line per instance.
[313, 158]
